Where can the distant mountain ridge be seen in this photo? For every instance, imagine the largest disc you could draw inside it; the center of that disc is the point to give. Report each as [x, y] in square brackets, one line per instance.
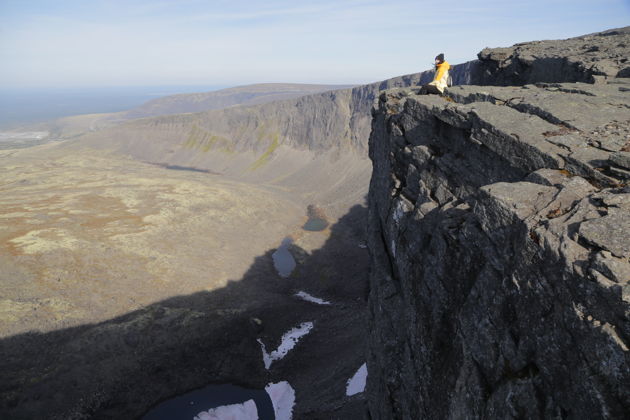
[240, 95]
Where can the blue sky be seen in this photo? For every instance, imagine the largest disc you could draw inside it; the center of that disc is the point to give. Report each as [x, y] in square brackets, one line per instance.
[232, 42]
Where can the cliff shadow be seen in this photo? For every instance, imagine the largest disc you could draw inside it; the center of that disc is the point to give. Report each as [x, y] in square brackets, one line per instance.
[121, 367]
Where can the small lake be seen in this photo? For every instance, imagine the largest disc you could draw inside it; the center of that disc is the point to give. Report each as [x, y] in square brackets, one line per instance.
[184, 168]
[283, 261]
[189, 405]
[316, 219]
[315, 224]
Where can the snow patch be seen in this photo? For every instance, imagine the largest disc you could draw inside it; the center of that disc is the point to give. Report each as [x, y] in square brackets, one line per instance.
[289, 340]
[244, 411]
[356, 384]
[310, 298]
[283, 399]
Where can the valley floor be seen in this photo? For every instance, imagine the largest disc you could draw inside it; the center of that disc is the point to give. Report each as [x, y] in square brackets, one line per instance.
[127, 283]
[87, 237]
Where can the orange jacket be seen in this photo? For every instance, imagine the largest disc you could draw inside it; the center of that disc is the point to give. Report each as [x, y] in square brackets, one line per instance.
[441, 76]
[442, 71]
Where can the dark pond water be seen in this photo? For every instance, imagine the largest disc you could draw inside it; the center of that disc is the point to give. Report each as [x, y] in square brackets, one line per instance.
[187, 406]
[186, 168]
[183, 168]
[315, 224]
[282, 258]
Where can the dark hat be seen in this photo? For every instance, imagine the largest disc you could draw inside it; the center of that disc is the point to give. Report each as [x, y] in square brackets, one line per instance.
[440, 57]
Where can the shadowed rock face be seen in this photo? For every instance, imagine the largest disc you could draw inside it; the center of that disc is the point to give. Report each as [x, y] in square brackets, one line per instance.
[498, 232]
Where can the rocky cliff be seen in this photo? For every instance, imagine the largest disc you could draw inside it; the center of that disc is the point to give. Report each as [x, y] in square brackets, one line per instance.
[224, 98]
[499, 236]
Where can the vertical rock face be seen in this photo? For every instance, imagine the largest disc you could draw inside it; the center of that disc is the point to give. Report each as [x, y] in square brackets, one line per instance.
[499, 231]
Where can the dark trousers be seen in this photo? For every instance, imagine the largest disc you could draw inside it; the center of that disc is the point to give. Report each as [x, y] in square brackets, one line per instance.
[429, 90]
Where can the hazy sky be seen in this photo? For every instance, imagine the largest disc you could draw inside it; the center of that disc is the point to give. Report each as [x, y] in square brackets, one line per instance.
[232, 42]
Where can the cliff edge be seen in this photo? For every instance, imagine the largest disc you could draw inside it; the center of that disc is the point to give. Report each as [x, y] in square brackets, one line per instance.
[499, 232]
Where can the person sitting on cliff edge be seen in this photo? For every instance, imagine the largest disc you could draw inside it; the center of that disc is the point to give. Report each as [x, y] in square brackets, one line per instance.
[440, 81]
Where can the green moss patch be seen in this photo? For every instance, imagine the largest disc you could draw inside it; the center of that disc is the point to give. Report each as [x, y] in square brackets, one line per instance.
[205, 141]
[264, 158]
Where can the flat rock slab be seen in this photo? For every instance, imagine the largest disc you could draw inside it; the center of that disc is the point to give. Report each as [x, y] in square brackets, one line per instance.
[621, 159]
[521, 199]
[611, 233]
[584, 129]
